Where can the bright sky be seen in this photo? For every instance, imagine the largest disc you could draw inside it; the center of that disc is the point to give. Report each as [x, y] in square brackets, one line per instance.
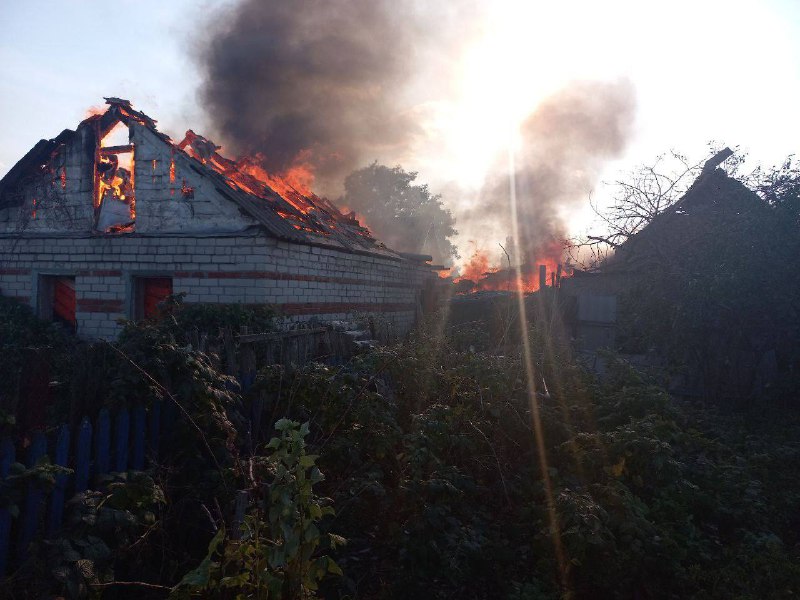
[725, 70]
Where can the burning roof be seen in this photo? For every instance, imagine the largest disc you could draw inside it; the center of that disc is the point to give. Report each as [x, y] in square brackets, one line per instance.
[282, 204]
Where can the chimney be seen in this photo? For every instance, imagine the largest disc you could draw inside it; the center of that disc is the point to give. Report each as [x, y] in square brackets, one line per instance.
[542, 276]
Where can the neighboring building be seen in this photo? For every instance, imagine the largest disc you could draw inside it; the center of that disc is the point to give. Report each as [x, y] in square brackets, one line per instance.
[681, 281]
[103, 222]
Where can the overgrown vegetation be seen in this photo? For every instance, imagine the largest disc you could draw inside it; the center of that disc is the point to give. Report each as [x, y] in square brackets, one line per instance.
[433, 477]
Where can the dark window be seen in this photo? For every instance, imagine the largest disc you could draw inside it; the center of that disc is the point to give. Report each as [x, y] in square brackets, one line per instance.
[149, 293]
[57, 299]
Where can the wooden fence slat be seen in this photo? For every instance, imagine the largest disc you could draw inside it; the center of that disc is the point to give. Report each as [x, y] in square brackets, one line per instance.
[155, 430]
[59, 491]
[7, 456]
[102, 443]
[83, 457]
[139, 425]
[33, 500]
[121, 432]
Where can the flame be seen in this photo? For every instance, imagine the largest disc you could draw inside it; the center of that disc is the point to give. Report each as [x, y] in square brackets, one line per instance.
[33, 212]
[350, 215]
[289, 193]
[94, 111]
[118, 186]
[480, 276]
[293, 185]
[477, 268]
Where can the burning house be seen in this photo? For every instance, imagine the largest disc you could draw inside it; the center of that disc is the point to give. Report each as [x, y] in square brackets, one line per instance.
[105, 221]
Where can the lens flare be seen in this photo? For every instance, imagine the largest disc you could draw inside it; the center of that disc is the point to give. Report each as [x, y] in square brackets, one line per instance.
[530, 375]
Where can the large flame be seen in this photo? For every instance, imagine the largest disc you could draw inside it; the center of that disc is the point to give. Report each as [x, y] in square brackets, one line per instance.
[293, 185]
[479, 276]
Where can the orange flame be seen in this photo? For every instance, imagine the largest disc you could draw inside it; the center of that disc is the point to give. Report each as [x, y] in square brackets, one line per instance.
[479, 276]
[351, 215]
[94, 111]
[477, 268]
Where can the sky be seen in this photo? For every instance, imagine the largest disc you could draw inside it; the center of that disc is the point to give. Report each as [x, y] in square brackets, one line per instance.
[701, 70]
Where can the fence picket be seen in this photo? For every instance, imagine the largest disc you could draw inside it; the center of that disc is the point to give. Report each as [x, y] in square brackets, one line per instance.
[122, 433]
[7, 456]
[83, 456]
[137, 460]
[33, 500]
[59, 491]
[102, 442]
[155, 430]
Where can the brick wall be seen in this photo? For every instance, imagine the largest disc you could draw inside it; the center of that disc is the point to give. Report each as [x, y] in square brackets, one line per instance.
[303, 281]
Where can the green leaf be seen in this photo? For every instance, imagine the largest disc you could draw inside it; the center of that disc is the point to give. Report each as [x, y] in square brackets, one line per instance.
[333, 568]
[200, 577]
[308, 460]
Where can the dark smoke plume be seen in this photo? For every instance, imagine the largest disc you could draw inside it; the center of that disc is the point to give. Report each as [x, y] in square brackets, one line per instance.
[314, 79]
[565, 144]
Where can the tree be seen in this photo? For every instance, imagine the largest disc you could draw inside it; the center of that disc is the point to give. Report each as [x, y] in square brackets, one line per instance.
[638, 197]
[407, 217]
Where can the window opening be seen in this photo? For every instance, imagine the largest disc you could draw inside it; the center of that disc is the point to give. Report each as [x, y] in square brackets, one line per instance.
[115, 198]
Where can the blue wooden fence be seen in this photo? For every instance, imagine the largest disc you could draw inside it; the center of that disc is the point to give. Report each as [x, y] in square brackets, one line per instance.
[128, 441]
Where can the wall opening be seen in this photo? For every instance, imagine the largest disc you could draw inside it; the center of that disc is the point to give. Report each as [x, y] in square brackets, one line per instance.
[148, 294]
[57, 300]
[115, 197]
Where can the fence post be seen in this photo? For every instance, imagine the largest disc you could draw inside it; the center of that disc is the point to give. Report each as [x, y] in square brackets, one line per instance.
[57, 498]
[33, 500]
[102, 443]
[139, 425]
[121, 444]
[83, 456]
[7, 457]
[155, 429]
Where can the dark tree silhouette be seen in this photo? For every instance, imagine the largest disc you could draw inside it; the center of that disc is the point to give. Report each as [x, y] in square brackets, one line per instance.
[404, 215]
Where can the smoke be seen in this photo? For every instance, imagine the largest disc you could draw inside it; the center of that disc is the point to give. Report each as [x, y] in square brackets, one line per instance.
[564, 145]
[316, 82]
[332, 85]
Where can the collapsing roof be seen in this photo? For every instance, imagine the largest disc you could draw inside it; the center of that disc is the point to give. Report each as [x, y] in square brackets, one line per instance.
[284, 211]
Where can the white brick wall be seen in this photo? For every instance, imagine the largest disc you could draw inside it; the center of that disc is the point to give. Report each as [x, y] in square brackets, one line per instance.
[105, 266]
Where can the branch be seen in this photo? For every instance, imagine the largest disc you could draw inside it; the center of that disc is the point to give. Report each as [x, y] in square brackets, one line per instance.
[597, 238]
[150, 586]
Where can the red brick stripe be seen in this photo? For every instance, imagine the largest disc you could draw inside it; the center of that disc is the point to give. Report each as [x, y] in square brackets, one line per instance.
[15, 271]
[99, 305]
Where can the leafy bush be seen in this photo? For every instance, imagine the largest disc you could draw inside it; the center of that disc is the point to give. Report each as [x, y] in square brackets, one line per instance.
[276, 554]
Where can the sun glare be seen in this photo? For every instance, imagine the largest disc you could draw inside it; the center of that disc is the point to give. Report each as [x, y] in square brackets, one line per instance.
[520, 58]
